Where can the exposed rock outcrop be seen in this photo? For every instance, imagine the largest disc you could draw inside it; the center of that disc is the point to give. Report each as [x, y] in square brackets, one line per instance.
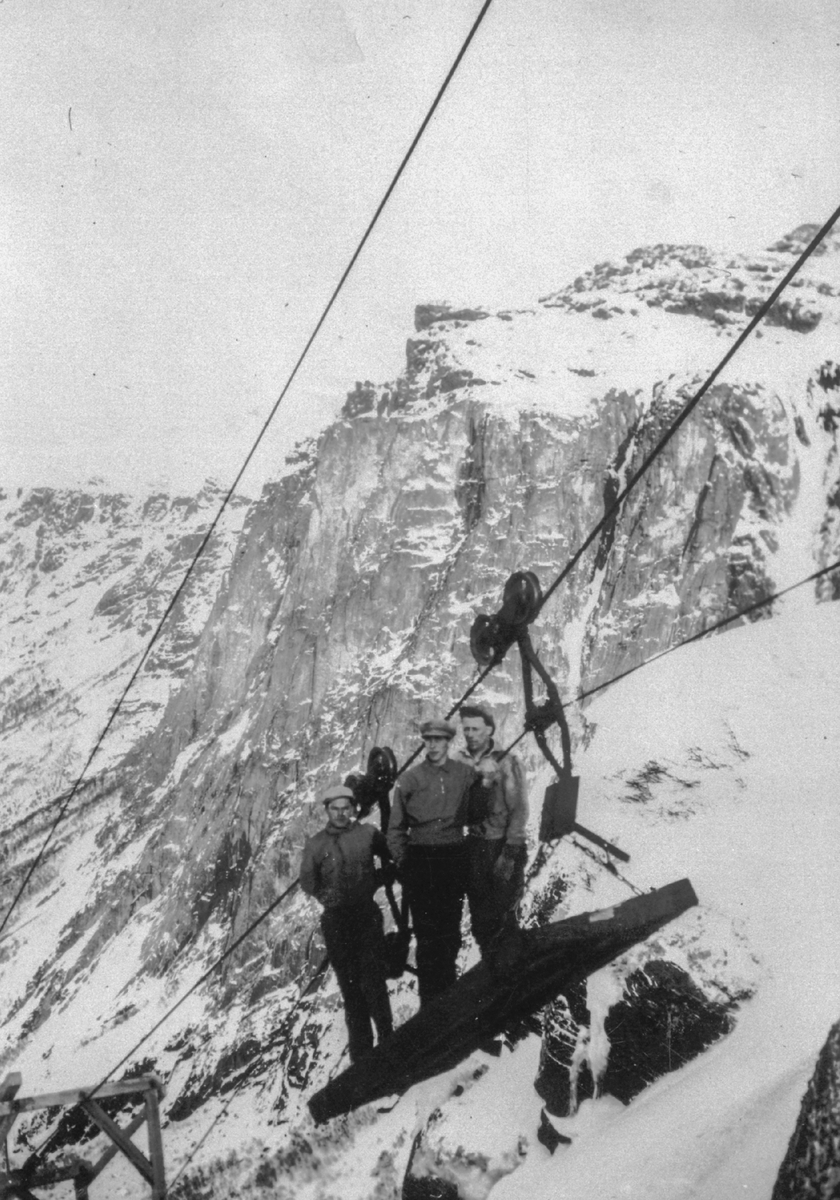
[811, 1167]
[343, 617]
[661, 1022]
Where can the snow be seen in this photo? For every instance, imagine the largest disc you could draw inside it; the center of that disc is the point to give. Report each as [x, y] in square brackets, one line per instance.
[228, 741]
[67, 656]
[633, 352]
[718, 763]
[719, 1126]
[744, 732]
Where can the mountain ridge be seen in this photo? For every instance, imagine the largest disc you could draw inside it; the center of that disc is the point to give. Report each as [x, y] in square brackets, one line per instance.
[336, 615]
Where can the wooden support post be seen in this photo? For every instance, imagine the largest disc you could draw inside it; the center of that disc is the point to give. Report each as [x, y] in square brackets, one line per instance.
[17, 1183]
[136, 1157]
[11, 1085]
[122, 1087]
[81, 1181]
[155, 1145]
[113, 1150]
[599, 841]
[8, 1090]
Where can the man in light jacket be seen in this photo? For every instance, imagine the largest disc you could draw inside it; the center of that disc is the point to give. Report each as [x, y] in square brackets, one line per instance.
[426, 839]
[338, 870]
[496, 846]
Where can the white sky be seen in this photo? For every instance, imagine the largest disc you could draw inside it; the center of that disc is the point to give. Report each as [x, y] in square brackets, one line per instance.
[183, 184]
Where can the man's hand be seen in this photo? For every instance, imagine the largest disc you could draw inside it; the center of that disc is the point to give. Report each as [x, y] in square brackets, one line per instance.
[386, 874]
[505, 864]
[488, 770]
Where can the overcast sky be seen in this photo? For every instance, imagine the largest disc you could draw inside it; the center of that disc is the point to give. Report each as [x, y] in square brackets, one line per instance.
[184, 181]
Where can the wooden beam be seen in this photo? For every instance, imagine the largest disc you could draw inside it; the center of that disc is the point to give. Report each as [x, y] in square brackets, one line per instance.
[121, 1087]
[6, 1124]
[8, 1089]
[18, 1183]
[114, 1150]
[155, 1146]
[136, 1157]
[51, 1175]
[16, 1189]
[10, 1085]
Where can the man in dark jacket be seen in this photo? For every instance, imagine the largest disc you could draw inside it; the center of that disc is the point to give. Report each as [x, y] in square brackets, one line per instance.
[338, 870]
[426, 839]
[496, 847]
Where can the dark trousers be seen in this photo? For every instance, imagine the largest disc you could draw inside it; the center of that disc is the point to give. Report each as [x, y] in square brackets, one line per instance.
[435, 882]
[492, 899]
[355, 943]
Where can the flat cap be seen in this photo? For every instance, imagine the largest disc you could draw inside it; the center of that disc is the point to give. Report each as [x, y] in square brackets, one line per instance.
[437, 728]
[339, 792]
[478, 710]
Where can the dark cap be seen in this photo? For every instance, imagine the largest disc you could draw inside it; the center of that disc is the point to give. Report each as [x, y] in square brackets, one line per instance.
[478, 710]
[437, 728]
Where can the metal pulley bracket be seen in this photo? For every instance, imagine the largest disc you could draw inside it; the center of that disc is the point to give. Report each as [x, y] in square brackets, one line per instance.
[540, 717]
[492, 636]
[559, 816]
[374, 787]
[490, 639]
[559, 811]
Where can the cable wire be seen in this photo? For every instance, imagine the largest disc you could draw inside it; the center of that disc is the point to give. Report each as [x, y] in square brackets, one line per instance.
[718, 625]
[759, 604]
[194, 987]
[683, 416]
[582, 696]
[695, 637]
[317, 975]
[689, 408]
[703, 633]
[609, 513]
[229, 494]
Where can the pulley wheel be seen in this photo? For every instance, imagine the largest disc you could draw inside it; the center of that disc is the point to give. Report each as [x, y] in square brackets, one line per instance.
[521, 598]
[382, 767]
[483, 639]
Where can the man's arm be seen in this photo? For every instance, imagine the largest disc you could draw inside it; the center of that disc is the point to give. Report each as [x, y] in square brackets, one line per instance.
[515, 790]
[397, 838]
[309, 874]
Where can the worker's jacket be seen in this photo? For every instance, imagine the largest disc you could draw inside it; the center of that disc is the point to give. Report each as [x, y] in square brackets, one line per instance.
[337, 865]
[503, 807]
[429, 806]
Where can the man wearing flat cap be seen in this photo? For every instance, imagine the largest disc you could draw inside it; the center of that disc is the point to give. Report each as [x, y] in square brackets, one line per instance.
[426, 839]
[496, 846]
[338, 870]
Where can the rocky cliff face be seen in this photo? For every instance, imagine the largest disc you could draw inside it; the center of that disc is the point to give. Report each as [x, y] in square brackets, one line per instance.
[85, 577]
[343, 618]
[811, 1168]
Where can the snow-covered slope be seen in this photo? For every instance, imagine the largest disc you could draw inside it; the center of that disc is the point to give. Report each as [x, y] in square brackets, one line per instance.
[84, 579]
[341, 619]
[738, 738]
[747, 729]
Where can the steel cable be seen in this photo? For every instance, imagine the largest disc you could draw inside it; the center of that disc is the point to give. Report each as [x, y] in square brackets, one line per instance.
[229, 494]
[682, 416]
[609, 513]
[577, 699]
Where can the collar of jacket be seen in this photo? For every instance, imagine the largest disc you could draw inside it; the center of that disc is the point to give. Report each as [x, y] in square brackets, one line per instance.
[336, 833]
[491, 746]
[444, 766]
